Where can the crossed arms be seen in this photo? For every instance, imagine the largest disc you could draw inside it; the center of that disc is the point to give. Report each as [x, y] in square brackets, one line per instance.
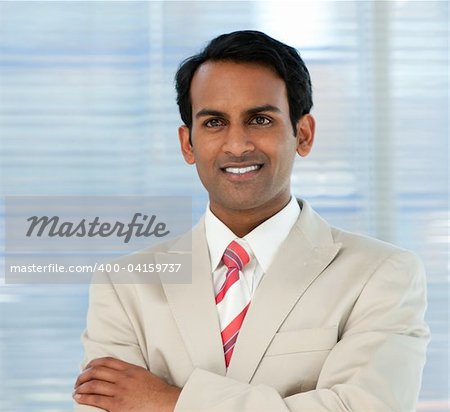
[375, 365]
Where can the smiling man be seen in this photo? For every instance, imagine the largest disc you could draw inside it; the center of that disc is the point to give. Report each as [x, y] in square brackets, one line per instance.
[243, 144]
[284, 312]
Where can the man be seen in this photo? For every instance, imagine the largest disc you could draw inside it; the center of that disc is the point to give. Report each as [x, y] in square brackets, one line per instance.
[284, 312]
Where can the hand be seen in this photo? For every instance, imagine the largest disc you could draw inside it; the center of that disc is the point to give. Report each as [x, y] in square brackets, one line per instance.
[118, 386]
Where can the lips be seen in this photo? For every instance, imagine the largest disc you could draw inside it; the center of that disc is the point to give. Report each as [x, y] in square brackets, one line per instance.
[242, 170]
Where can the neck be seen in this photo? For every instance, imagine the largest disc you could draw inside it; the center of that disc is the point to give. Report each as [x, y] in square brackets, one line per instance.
[242, 222]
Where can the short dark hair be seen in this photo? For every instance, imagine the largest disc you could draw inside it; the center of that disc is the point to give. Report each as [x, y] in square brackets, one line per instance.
[248, 46]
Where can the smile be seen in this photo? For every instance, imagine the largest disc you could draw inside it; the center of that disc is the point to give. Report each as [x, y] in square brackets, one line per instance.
[242, 170]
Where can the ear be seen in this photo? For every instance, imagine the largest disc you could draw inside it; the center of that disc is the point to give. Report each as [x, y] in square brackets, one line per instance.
[306, 127]
[186, 147]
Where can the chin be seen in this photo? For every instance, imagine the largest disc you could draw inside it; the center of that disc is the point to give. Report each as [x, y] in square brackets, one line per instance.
[242, 204]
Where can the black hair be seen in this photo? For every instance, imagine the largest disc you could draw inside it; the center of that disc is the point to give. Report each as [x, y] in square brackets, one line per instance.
[248, 46]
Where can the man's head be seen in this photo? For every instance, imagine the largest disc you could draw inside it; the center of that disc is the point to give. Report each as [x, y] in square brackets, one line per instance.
[249, 46]
[241, 130]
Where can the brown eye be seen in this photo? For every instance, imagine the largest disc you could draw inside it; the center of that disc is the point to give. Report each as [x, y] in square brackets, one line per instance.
[260, 121]
[214, 123]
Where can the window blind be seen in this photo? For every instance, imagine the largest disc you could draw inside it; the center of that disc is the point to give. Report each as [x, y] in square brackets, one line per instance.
[87, 107]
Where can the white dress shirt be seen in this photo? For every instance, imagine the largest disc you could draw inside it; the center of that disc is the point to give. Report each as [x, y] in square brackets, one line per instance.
[262, 243]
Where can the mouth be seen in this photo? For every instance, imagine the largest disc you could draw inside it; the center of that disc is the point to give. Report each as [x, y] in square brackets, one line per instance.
[239, 172]
[242, 170]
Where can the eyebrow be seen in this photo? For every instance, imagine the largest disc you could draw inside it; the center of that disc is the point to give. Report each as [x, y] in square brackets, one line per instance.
[249, 112]
[263, 108]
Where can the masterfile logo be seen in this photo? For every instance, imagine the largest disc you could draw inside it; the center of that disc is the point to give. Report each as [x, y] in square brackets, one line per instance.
[54, 239]
[140, 225]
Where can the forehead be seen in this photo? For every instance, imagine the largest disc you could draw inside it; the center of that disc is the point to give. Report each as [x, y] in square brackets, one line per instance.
[225, 85]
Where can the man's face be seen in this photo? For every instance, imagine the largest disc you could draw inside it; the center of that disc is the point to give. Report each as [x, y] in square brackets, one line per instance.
[243, 143]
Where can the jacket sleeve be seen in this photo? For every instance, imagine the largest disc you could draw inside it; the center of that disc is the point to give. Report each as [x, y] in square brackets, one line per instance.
[109, 331]
[376, 366]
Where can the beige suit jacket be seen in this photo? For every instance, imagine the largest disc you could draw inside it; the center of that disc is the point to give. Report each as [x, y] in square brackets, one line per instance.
[336, 324]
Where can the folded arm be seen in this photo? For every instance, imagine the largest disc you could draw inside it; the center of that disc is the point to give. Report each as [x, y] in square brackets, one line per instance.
[376, 365]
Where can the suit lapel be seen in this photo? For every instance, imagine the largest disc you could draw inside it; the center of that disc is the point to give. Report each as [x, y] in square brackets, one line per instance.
[194, 309]
[306, 252]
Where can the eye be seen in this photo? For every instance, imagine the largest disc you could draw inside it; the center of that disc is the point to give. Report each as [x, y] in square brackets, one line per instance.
[260, 121]
[214, 123]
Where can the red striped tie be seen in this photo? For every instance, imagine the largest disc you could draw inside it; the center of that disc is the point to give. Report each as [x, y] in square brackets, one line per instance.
[233, 298]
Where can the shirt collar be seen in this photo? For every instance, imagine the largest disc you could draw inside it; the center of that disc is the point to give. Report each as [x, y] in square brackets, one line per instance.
[264, 240]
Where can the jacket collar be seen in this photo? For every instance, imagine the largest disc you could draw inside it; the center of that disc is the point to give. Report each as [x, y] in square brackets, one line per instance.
[305, 253]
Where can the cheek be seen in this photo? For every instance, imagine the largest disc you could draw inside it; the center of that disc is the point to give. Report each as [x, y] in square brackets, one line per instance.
[283, 154]
[204, 164]
[285, 160]
[203, 161]
[206, 155]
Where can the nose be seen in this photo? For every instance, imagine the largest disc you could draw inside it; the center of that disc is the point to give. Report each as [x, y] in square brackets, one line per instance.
[238, 141]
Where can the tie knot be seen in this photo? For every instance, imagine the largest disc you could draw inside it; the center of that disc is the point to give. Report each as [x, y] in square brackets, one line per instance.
[235, 256]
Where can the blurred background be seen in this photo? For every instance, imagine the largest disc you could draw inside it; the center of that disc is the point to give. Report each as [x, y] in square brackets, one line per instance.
[87, 107]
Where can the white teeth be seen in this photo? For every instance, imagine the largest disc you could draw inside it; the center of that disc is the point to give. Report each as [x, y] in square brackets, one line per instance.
[241, 170]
